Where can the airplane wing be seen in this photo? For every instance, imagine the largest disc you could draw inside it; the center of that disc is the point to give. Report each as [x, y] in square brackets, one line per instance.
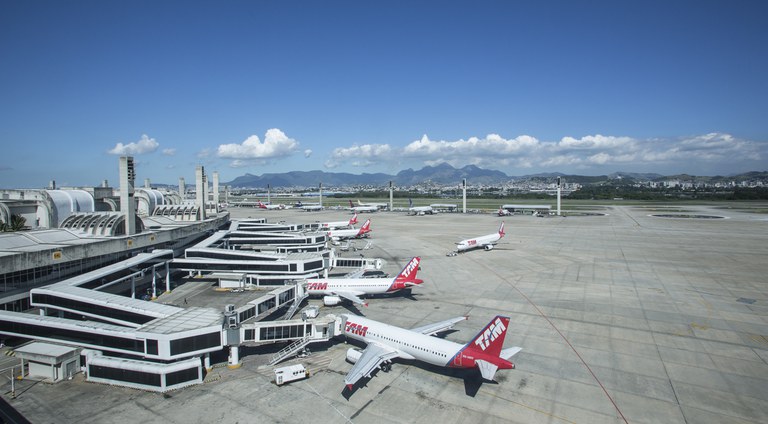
[352, 297]
[372, 357]
[437, 327]
[358, 273]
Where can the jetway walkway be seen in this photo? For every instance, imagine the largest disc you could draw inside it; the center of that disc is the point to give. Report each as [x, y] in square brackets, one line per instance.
[300, 332]
[366, 264]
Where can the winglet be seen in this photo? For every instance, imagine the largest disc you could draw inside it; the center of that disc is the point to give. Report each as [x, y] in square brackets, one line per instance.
[349, 387]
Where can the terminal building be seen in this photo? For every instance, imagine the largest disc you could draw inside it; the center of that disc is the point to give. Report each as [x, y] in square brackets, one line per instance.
[81, 279]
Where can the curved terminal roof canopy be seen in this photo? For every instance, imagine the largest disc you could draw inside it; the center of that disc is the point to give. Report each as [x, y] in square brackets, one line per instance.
[68, 202]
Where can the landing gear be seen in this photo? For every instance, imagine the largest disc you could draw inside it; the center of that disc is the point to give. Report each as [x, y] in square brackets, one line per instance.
[386, 367]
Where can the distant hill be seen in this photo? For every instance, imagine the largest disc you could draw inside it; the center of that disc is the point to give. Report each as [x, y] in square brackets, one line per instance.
[440, 174]
[445, 174]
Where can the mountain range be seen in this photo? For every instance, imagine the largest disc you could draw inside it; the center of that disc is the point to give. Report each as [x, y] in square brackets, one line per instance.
[444, 174]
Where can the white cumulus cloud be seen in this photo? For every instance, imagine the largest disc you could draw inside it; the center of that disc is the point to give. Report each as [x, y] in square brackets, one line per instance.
[169, 152]
[276, 144]
[144, 145]
[360, 155]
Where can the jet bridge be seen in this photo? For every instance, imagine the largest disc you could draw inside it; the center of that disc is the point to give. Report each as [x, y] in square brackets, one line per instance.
[365, 264]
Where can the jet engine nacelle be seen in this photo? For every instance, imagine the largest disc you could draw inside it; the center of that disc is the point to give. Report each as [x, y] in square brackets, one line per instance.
[488, 247]
[353, 355]
[331, 300]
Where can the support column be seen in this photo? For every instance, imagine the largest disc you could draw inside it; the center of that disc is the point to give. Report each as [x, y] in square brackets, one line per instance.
[154, 283]
[391, 205]
[182, 189]
[207, 362]
[234, 357]
[133, 287]
[167, 278]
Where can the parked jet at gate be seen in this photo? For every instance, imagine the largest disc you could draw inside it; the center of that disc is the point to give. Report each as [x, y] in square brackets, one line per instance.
[386, 342]
[339, 224]
[361, 209]
[419, 210]
[486, 242]
[337, 235]
[334, 290]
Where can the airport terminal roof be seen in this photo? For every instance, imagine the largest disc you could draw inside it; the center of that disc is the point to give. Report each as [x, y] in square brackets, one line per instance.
[192, 318]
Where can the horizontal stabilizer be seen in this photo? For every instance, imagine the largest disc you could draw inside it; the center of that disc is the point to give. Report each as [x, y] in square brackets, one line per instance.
[510, 352]
[487, 369]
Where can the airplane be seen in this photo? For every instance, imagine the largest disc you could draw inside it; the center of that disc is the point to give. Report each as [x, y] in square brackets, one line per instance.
[270, 206]
[362, 209]
[337, 235]
[504, 212]
[334, 290]
[309, 207]
[486, 242]
[378, 205]
[339, 224]
[419, 210]
[386, 342]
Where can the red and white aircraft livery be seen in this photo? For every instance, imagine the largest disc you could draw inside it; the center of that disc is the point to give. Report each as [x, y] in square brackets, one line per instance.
[334, 290]
[486, 242]
[339, 224]
[270, 206]
[386, 342]
[337, 235]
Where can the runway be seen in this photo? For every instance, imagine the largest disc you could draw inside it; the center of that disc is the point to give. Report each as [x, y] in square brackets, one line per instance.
[623, 318]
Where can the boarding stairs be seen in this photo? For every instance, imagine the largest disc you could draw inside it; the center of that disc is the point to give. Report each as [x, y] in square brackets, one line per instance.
[295, 347]
[295, 306]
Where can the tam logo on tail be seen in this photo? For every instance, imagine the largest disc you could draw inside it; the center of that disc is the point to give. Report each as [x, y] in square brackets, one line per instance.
[366, 227]
[501, 230]
[409, 272]
[491, 339]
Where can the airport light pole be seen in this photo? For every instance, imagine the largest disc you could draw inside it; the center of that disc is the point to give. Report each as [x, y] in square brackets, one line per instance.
[464, 195]
[391, 206]
[558, 196]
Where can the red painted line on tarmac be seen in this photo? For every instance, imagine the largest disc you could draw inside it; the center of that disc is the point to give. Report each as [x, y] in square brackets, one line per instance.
[574, 351]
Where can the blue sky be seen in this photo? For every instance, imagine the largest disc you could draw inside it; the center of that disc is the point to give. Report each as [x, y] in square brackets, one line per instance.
[254, 87]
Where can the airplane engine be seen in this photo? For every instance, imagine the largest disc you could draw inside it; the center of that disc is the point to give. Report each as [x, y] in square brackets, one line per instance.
[331, 300]
[488, 247]
[353, 355]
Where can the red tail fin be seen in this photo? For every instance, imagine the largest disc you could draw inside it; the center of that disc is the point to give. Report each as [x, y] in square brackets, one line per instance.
[353, 221]
[407, 277]
[351, 205]
[409, 272]
[491, 339]
[501, 230]
[366, 227]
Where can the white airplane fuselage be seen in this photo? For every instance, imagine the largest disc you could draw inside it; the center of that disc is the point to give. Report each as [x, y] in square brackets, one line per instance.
[328, 286]
[411, 345]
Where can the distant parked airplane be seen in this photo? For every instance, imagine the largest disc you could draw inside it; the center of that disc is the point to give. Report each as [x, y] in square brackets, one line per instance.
[339, 224]
[361, 209]
[377, 205]
[419, 210]
[486, 242]
[337, 235]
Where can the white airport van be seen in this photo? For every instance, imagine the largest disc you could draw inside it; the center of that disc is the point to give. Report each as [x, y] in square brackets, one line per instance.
[290, 373]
